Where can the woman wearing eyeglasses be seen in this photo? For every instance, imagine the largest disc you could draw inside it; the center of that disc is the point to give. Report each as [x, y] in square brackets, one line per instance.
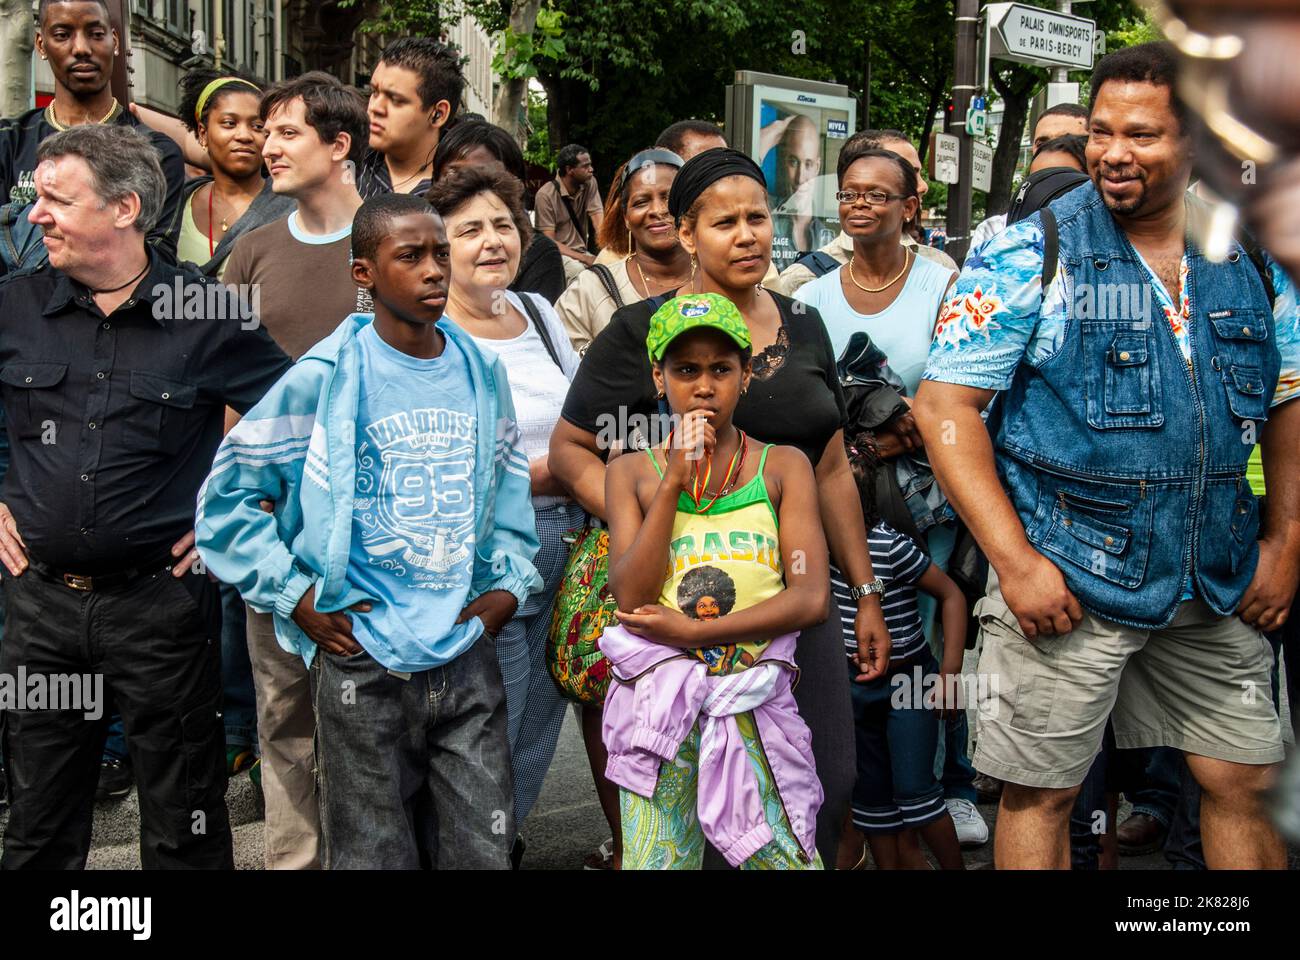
[884, 289]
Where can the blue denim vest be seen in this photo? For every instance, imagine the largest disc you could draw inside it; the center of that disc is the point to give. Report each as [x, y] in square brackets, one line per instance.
[1126, 463]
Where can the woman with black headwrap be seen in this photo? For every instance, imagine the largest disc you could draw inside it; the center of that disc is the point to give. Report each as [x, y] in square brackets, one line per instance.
[719, 201]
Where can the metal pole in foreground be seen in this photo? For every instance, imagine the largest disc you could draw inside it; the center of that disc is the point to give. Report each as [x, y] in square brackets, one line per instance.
[963, 88]
[1062, 74]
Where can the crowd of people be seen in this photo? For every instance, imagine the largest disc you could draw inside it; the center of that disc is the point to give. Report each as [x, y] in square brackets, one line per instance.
[305, 452]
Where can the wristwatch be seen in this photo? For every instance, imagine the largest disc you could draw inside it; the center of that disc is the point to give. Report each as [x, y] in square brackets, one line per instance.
[867, 589]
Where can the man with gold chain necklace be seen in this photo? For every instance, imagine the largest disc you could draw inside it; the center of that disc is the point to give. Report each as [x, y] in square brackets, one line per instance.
[80, 44]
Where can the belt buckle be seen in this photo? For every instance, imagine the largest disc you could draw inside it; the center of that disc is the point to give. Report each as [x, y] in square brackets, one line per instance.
[78, 583]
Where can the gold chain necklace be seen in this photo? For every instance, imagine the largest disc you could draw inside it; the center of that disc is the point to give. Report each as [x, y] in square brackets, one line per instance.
[907, 254]
[54, 120]
[646, 284]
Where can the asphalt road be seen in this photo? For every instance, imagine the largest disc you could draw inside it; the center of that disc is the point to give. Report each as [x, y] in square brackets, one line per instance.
[564, 826]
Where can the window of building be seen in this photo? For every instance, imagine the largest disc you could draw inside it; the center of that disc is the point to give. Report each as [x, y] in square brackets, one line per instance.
[228, 31]
[248, 54]
[178, 15]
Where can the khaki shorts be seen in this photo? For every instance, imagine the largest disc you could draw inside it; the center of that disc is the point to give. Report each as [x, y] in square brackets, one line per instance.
[1201, 685]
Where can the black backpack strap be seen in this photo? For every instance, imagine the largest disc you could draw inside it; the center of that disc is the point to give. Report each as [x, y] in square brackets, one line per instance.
[606, 277]
[1051, 246]
[818, 263]
[580, 225]
[539, 325]
[1256, 254]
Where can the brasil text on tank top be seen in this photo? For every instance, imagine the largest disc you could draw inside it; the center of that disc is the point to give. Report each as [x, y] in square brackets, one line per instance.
[724, 560]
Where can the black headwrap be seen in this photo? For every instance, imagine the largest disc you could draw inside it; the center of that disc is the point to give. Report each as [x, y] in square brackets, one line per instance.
[704, 170]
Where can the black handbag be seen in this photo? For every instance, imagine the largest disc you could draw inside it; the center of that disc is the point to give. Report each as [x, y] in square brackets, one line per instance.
[873, 400]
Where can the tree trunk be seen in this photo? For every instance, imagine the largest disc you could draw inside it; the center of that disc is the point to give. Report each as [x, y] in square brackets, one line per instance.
[507, 109]
[16, 30]
[557, 110]
[1015, 95]
[923, 146]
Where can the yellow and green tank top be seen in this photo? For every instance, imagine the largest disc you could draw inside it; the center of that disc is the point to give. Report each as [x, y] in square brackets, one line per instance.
[724, 560]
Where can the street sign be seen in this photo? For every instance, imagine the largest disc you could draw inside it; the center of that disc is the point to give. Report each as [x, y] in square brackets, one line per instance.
[1040, 37]
[946, 157]
[981, 166]
[977, 121]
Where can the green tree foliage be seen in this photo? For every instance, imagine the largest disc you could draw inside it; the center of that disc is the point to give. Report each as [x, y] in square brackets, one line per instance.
[616, 72]
[1124, 24]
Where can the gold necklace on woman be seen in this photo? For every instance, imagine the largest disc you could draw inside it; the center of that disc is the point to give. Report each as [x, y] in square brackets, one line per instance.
[644, 283]
[907, 253]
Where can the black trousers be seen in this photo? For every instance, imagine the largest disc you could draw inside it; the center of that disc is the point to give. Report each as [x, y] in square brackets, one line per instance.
[826, 705]
[157, 644]
[825, 702]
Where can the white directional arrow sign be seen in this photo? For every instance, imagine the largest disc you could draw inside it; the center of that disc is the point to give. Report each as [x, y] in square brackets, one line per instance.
[945, 162]
[981, 166]
[1017, 31]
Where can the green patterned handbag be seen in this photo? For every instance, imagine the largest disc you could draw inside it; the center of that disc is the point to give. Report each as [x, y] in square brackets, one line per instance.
[583, 608]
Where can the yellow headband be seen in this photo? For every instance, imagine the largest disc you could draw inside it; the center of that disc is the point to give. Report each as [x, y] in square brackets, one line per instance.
[212, 87]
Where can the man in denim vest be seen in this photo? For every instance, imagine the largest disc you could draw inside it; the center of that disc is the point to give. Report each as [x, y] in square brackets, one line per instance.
[1131, 573]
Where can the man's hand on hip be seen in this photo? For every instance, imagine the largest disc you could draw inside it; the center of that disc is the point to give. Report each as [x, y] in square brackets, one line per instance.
[12, 549]
[187, 555]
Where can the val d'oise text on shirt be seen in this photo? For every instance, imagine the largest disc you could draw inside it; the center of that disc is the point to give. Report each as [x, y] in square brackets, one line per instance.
[413, 541]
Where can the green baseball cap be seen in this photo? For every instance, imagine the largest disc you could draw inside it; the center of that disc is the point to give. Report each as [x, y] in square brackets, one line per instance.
[693, 310]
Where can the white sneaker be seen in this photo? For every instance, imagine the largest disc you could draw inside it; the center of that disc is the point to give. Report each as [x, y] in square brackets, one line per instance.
[972, 831]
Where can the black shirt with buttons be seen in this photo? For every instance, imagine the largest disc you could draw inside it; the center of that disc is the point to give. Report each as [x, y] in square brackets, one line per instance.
[114, 420]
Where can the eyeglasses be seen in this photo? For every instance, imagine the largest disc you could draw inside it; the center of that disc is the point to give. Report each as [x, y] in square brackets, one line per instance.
[876, 198]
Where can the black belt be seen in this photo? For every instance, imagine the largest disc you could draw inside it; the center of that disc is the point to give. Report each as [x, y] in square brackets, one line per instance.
[108, 581]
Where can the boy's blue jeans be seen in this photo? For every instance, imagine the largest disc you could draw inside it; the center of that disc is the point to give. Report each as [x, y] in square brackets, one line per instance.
[413, 773]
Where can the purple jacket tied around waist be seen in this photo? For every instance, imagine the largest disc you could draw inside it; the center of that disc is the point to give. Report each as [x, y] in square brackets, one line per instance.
[657, 694]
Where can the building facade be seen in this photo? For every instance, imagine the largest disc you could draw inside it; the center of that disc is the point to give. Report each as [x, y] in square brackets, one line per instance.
[265, 40]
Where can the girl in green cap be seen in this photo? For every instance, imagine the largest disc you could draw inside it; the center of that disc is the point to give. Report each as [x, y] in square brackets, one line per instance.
[715, 548]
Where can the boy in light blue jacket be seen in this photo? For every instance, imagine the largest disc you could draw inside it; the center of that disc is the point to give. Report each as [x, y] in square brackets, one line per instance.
[400, 540]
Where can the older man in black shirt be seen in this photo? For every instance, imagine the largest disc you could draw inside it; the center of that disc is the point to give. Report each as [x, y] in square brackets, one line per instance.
[80, 44]
[116, 368]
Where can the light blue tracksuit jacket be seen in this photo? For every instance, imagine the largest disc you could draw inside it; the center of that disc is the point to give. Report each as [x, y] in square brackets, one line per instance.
[297, 448]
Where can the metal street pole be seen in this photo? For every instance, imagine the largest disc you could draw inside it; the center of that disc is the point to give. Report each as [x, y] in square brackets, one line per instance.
[963, 88]
[1062, 74]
